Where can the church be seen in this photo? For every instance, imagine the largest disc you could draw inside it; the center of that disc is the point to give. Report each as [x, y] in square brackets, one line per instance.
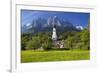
[58, 43]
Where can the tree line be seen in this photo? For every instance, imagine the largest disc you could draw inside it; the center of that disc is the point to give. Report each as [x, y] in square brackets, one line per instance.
[72, 40]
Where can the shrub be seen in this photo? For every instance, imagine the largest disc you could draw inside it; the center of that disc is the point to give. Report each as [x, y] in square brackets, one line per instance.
[33, 44]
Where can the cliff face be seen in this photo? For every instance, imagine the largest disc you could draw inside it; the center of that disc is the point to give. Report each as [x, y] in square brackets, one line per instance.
[46, 25]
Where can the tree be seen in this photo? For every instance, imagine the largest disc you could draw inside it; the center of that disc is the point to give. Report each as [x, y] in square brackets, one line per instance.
[80, 40]
[46, 42]
[85, 37]
[69, 42]
[34, 43]
[24, 40]
[47, 45]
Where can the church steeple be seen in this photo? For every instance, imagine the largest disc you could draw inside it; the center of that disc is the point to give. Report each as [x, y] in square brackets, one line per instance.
[54, 35]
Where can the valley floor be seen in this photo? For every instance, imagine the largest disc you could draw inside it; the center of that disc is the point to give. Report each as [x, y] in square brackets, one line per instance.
[45, 56]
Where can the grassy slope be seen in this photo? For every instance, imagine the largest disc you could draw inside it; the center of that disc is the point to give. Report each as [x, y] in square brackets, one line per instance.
[43, 56]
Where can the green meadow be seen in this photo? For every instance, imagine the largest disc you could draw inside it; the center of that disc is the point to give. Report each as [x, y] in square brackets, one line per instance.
[46, 56]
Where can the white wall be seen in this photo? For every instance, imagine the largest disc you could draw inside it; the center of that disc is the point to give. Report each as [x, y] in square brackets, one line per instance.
[66, 1]
[5, 35]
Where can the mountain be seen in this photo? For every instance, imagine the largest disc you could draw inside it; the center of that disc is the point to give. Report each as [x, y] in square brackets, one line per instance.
[45, 25]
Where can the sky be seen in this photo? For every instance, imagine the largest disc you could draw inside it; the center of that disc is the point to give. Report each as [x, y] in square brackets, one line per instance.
[76, 18]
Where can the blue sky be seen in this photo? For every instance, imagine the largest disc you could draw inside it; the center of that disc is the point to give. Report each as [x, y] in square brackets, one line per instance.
[76, 18]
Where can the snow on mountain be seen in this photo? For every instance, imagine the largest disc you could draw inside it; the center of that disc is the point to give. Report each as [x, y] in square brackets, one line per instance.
[28, 25]
[79, 27]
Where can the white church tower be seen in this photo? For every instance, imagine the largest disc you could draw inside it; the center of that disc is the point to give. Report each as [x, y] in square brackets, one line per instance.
[54, 34]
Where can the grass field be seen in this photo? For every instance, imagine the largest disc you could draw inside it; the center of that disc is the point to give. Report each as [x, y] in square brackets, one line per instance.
[45, 56]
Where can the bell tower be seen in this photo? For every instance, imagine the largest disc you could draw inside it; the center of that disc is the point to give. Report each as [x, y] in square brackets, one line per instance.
[54, 34]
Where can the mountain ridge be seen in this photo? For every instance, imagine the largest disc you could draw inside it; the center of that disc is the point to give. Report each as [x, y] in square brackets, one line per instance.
[44, 25]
